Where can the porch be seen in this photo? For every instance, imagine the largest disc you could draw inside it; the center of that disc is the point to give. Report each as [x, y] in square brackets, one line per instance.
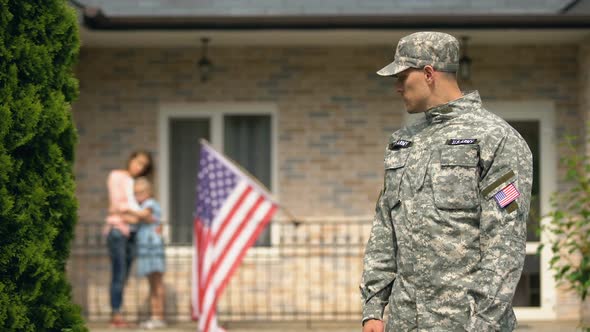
[309, 272]
[306, 279]
[565, 326]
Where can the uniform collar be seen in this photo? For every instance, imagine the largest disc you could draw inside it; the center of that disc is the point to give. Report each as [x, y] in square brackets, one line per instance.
[469, 102]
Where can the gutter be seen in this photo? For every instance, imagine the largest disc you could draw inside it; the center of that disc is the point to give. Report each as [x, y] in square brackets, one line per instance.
[95, 19]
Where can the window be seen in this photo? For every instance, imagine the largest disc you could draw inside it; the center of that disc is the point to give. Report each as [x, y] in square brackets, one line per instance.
[528, 291]
[244, 134]
[535, 294]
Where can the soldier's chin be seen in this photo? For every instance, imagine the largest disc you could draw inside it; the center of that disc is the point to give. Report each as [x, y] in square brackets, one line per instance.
[414, 109]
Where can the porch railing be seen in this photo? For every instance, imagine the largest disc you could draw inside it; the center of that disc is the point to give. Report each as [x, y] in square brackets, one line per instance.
[311, 271]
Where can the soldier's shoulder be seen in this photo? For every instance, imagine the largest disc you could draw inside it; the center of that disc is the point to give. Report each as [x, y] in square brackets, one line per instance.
[493, 123]
[496, 126]
[408, 131]
[398, 134]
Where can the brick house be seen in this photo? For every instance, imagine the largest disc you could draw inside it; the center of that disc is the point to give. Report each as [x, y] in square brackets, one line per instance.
[294, 84]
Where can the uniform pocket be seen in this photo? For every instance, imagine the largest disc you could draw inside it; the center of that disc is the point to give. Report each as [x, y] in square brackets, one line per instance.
[395, 162]
[455, 178]
[402, 315]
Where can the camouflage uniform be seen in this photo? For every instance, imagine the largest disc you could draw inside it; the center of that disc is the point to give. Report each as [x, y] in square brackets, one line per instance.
[443, 252]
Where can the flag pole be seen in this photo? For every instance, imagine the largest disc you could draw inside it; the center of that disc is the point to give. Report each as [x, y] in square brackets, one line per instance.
[295, 221]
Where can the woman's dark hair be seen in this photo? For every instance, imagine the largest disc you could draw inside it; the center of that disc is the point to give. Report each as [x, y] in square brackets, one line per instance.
[149, 168]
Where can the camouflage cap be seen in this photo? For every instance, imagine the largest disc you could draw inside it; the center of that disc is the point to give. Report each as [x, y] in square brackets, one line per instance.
[440, 50]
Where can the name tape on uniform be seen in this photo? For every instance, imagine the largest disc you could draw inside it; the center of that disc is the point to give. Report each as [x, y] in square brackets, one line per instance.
[461, 141]
[400, 144]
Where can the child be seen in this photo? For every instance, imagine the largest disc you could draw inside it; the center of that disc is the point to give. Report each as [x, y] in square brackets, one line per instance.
[150, 249]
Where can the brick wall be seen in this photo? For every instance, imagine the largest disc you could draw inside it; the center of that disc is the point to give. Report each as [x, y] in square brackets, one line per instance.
[334, 117]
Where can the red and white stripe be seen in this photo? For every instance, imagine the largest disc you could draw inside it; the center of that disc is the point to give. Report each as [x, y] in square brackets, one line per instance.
[220, 249]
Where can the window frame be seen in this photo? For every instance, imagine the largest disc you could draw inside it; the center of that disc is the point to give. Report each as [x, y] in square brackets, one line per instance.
[215, 112]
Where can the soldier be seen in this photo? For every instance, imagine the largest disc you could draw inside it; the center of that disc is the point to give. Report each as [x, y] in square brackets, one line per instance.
[447, 244]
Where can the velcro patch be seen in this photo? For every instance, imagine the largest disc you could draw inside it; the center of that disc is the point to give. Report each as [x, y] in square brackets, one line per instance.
[507, 195]
[461, 141]
[400, 144]
[512, 207]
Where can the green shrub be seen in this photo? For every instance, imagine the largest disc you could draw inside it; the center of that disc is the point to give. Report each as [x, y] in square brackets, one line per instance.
[38, 48]
[567, 231]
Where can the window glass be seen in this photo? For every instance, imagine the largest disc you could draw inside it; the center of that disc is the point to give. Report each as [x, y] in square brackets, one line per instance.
[184, 161]
[247, 141]
[530, 132]
[528, 291]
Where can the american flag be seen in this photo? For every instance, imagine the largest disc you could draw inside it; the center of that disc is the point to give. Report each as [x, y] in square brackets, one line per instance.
[231, 211]
[507, 195]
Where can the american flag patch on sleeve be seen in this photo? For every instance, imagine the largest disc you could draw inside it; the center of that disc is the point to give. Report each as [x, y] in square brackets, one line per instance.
[506, 195]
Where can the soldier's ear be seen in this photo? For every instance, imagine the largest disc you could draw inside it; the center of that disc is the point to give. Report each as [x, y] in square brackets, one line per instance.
[428, 73]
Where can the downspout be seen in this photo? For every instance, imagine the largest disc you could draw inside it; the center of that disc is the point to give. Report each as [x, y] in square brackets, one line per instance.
[568, 7]
[92, 17]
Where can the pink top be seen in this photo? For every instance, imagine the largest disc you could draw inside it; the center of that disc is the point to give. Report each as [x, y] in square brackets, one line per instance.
[121, 198]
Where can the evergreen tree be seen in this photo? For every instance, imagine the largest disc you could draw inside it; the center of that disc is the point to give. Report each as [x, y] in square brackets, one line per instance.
[38, 48]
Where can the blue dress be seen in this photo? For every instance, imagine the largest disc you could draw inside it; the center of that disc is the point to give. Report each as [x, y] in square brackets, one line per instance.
[150, 245]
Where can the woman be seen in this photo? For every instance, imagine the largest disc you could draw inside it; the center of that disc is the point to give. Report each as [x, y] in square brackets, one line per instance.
[121, 234]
